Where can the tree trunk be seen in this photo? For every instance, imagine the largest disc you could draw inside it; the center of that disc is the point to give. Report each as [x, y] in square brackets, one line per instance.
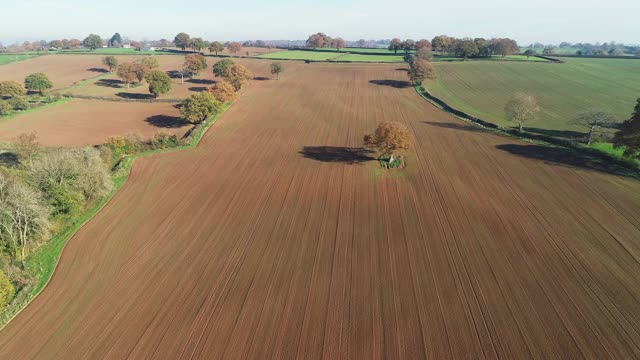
[390, 159]
[520, 126]
[590, 136]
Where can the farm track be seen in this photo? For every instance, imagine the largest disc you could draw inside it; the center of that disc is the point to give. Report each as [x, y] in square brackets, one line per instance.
[246, 248]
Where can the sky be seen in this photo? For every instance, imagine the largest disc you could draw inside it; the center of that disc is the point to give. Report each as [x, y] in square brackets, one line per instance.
[546, 21]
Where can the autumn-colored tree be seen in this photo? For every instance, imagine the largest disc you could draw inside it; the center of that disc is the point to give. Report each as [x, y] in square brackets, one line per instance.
[237, 75]
[92, 42]
[441, 43]
[151, 62]
[629, 134]
[216, 47]
[182, 40]
[74, 44]
[10, 88]
[38, 82]
[395, 45]
[424, 53]
[7, 291]
[200, 106]
[197, 44]
[592, 119]
[521, 108]
[223, 91]
[159, 82]
[421, 70]
[137, 45]
[141, 71]
[221, 66]
[110, 61]
[315, 41]
[422, 44]
[234, 47]
[127, 73]
[194, 64]
[56, 44]
[338, 43]
[391, 138]
[505, 47]
[276, 69]
[408, 45]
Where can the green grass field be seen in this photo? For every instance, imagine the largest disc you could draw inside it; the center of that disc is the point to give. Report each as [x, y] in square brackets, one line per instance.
[299, 55]
[9, 58]
[371, 58]
[481, 88]
[110, 51]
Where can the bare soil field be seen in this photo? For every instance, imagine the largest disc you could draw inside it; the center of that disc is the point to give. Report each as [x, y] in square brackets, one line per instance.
[90, 122]
[277, 237]
[110, 86]
[62, 70]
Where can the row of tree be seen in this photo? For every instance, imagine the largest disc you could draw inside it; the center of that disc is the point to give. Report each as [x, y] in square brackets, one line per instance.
[322, 40]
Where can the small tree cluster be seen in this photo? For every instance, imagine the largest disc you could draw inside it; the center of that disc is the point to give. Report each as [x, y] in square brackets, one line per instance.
[199, 107]
[221, 66]
[390, 138]
[223, 91]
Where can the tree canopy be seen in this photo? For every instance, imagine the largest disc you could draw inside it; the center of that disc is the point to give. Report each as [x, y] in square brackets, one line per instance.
[592, 119]
[159, 82]
[521, 108]
[110, 61]
[315, 41]
[629, 134]
[221, 66]
[194, 64]
[200, 106]
[92, 42]
[276, 69]
[234, 47]
[38, 82]
[115, 41]
[421, 70]
[197, 44]
[395, 45]
[391, 138]
[182, 40]
[223, 91]
[237, 75]
[338, 43]
[216, 47]
[11, 89]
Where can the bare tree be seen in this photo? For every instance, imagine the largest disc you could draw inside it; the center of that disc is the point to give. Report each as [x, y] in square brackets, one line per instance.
[521, 108]
[592, 119]
[27, 146]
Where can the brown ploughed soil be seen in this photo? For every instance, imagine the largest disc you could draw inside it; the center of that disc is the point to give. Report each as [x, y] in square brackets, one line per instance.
[276, 238]
[90, 122]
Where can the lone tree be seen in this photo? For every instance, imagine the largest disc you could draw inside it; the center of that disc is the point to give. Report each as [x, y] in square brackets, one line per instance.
[592, 119]
[629, 134]
[111, 62]
[200, 106]
[529, 53]
[391, 138]
[182, 40]
[216, 47]
[276, 69]
[223, 91]
[315, 41]
[194, 64]
[151, 62]
[92, 42]
[395, 45]
[38, 82]
[237, 75]
[115, 41]
[159, 82]
[421, 70]
[221, 66]
[339, 43]
[234, 47]
[10, 89]
[521, 108]
[27, 146]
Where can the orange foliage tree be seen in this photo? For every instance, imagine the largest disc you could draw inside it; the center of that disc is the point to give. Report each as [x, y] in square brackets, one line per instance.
[391, 138]
[237, 75]
[223, 91]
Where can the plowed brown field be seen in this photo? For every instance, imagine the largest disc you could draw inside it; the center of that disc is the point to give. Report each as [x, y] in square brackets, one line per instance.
[91, 122]
[274, 239]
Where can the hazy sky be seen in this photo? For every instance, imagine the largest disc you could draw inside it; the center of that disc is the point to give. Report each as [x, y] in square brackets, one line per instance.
[547, 21]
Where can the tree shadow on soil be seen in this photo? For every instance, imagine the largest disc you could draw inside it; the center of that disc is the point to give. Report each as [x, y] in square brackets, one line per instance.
[340, 154]
[200, 81]
[455, 126]
[114, 83]
[9, 159]
[566, 157]
[565, 134]
[135, 96]
[261, 78]
[398, 84]
[402, 69]
[98, 70]
[165, 121]
[198, 88]
[174, 74]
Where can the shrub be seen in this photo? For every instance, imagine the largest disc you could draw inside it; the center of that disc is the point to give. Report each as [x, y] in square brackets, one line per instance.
[5, 108]
[200, 106]
[12, 89]
[19, 103]
[163, 140]
[118, 145]
[6, 290]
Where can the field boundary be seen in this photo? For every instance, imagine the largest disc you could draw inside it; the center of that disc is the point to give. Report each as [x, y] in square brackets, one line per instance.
[104, 98]
[623, 166]
[119, 175]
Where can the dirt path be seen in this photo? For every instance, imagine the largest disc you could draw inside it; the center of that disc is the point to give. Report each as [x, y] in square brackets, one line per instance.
[274, 239]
